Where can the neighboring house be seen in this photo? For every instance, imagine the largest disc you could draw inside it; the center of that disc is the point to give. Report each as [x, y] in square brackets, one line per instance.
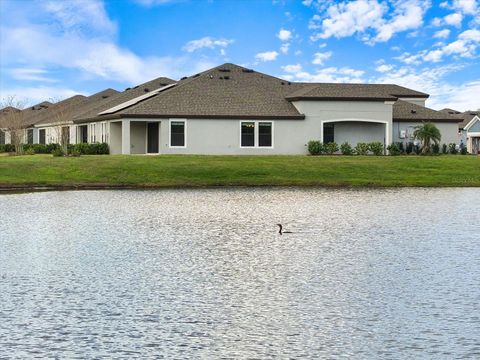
[23, 120]
[56, 126]
[233, 110]
[468, 129]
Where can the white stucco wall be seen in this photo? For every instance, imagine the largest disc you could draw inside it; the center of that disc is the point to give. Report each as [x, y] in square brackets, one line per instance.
[138, 132]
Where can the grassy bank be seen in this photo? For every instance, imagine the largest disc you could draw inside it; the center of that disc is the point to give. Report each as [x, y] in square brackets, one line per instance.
[192, 171]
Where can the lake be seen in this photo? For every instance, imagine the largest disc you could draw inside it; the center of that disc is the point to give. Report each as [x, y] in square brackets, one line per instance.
[365, 274]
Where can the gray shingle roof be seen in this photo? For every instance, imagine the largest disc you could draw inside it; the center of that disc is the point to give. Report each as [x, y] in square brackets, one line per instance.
[406, 111]
[28, 115]
[226, 91]
[368, 92]
[92, 109]
[64, 111]
[467, 117]
[232, 91]
[51, 114]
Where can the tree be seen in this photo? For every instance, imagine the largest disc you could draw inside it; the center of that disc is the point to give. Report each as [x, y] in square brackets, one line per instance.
[62, 115]
[427, 133]
[13, 121]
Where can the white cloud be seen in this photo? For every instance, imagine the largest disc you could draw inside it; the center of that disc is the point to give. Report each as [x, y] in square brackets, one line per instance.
[442, 34]
[267, 56]
[34, 95]
[78, 36]
[331, 74]
[294, 68]
[284, 35]
[465, 46]
[407, 15]
[319, 57]
[384, 68]
[206, 42]
[469, 7]
[460, 97]
[454, 19]
[369, 18]
[284, 48]
[30, 74]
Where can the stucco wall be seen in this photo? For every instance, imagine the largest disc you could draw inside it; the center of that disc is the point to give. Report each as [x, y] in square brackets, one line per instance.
[138, 132]
[449, 131]
[212, 136]
[355, 132]
[115, 137]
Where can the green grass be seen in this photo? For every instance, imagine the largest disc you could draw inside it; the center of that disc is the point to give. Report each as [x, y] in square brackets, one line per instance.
[193, 171]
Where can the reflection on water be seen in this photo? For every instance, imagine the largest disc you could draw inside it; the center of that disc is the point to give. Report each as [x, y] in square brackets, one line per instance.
[204, 274]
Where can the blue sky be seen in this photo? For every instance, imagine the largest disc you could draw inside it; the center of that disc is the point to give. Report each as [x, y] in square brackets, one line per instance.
[54, 49]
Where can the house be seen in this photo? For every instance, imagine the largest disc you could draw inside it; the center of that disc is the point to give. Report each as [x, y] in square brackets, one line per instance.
[234, 110]
[230, 109]
[21, 122]
[468, 129]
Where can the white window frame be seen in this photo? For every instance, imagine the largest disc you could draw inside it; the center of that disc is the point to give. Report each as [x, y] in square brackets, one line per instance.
[256, 134]
[170, 133]
[93, 131]
[104, 132]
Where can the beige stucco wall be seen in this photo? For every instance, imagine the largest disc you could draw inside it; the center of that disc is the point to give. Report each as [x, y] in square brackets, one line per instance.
[138, 133]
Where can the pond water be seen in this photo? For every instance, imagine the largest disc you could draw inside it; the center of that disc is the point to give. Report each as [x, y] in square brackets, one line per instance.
[365, 274]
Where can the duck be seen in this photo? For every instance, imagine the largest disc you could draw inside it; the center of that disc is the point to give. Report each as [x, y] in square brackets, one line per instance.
[280, 230]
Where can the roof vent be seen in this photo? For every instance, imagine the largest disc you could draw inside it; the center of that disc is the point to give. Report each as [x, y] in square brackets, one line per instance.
[289, 83]
[104, 96]
[224, 70]
[127, 89]
[282, 83]
[226, 77]
[196, 75]
[247, 70]
[211, 76]
[146, 89]
[413, 111]
[183, 78]
[163, 84]
[136, 87]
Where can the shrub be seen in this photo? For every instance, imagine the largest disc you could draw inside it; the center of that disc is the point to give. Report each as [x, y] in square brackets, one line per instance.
[409, 148]
[315, 147]
[376, 147]
[41, 148]
[346, 149]
[463, 150]
[394, 149]
[436, 149]
[444, 149]
[58, 152]
[75, 153]
[401, 148]
[29, 151]
[417, 149]
[452, 148]
[7, 148]
[330, 148]
[362, 148]
[89, 149]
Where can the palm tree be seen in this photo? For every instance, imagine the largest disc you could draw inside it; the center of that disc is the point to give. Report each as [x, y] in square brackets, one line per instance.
[427, 133]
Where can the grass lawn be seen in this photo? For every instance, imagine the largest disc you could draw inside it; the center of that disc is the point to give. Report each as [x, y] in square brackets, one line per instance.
[192, 171]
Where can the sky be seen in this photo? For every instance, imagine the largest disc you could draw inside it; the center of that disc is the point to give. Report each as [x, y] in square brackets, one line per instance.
[55, 49]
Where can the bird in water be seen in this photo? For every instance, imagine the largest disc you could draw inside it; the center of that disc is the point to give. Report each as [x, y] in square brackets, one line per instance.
[280, 230]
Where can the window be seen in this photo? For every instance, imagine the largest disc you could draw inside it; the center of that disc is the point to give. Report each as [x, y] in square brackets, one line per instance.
[177, 133]
[2, 137]
[93, 135]
[104, 132]
[41, 136]
[328, 133]
[248, 134]
[29, 136]
[256, 134]
[83, 133]
[265, 134]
